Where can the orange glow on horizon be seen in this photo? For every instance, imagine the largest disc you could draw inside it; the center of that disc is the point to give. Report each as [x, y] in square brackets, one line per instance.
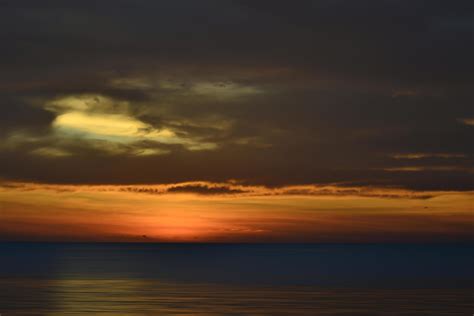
[152, 214]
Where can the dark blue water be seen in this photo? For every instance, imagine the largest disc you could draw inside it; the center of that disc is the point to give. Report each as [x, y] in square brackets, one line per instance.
[217, 279]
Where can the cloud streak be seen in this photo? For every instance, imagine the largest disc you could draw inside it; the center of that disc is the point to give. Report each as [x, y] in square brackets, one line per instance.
[233, 190]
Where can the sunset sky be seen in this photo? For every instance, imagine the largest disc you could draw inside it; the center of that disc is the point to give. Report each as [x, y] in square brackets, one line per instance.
[237, 121]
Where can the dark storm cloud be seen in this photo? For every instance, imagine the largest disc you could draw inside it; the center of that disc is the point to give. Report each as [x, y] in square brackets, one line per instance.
[290, 93]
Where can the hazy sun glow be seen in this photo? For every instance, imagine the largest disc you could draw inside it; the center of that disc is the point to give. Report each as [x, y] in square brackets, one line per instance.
[155, 213]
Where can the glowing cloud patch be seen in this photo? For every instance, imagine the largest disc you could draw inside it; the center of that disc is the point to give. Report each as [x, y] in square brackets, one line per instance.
[102, 126]
[93, 118]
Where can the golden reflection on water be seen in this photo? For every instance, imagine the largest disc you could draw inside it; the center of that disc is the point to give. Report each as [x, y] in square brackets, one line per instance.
[152, 297]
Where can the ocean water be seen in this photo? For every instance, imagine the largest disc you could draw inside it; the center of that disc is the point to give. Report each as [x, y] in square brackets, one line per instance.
[236, 279]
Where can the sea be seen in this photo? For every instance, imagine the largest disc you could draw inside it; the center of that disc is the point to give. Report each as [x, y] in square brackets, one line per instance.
[236, 279]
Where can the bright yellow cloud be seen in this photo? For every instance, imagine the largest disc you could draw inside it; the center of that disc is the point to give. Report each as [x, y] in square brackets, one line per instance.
[98, 118]
[99, 124]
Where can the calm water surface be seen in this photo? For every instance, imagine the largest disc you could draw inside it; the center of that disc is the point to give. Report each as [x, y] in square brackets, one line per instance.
[187, 279]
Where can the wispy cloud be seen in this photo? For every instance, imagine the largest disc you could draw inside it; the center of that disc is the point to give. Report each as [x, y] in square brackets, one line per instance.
[430, 168]
[427, 155]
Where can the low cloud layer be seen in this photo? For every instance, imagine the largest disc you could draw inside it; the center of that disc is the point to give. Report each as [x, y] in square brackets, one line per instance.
[231, 190]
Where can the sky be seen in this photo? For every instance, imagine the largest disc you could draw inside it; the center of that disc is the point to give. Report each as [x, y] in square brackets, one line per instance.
[237, 121]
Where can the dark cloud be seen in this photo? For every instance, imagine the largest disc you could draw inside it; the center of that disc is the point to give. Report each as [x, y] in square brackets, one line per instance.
[17, 114]
[204, 189]
[314, 92]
